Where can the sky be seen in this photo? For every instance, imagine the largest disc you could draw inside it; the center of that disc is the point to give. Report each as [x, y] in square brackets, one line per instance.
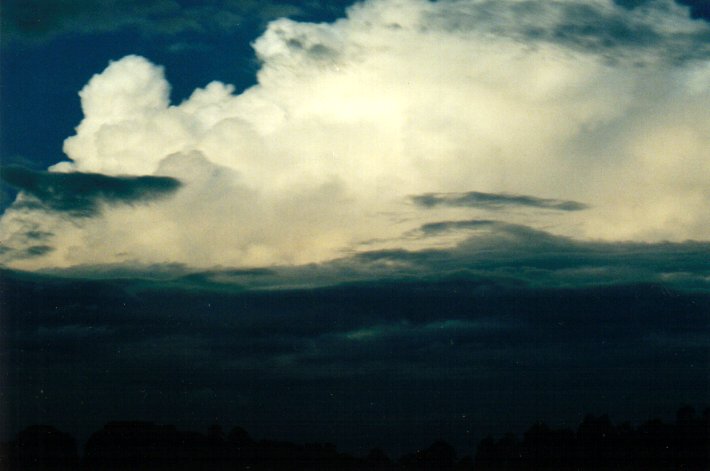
[380, 223]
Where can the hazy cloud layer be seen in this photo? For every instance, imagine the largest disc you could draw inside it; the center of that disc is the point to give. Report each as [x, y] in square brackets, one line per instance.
[35, 20]
[569, 101]
[28, 19]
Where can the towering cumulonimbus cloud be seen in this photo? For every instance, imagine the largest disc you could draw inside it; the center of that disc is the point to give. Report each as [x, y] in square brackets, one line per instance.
[585, 103]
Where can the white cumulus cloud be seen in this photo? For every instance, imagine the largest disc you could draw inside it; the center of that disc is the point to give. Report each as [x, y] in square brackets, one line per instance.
[403, 97]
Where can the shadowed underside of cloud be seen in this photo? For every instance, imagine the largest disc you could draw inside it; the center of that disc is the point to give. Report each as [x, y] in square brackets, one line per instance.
[517, 255]
[499, 253]
[80, 193]
[477, 199]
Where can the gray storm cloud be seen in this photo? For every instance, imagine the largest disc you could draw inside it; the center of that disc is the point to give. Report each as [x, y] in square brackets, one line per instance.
[80, 194]
[401, 98]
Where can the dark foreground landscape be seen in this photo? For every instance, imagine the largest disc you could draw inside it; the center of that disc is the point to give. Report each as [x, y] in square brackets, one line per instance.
[596, 444]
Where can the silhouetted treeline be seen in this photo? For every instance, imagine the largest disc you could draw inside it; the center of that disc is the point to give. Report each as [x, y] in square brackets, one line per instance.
[597, 444]
[40, 447]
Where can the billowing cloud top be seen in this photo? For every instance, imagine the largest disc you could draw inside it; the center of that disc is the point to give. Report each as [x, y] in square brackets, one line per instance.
[555, 105]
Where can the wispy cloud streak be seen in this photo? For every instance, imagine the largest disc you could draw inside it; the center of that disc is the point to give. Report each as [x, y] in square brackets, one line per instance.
[477, 199]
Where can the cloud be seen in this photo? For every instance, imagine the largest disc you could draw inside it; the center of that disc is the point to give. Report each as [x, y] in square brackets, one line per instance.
[492, 256]
[380, 349]
[81, 193]
[134, 310]
[433, 228]
[515, 256]
[348, 120]
[699, 9]
[604, 27]
[40, 19]
[476, 199]
[31, 251]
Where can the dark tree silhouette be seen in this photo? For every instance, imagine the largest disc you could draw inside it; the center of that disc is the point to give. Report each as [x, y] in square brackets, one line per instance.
[440, 456]
[544, 448]
[41, 447]
[377, 460]
[597, 444]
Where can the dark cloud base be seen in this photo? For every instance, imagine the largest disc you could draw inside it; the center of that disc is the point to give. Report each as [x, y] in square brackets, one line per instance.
[79, 194]
[391, 363]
